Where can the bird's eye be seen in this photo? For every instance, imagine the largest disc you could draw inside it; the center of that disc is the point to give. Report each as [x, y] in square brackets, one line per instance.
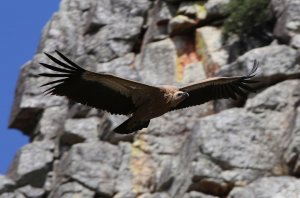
[179, 94]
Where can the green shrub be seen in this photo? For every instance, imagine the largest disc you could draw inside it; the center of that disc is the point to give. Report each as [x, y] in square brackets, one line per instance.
[247, 17]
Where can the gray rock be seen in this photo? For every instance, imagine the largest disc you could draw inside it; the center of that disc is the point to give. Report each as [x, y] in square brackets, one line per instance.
[71, 190]
[6, 184]
[51, 122]
[80, 130]
[276, 64]
[278, 6]
[162, 145]
[114, 40]
[52, 177]
[258, 146]
[124, 30]
[164, 176]
[203, 168]
[101, 14]
[273, 59]
[241, 176]
[130, 8]
[29, 100]
[123, 66]
[124, 181]
[181, 153]
[195, 194]
[32, 192]
[157, 25]
[279, 98]
[165, 12]
[216, 8]
[295, 41]
[12, 195]
[114, 27]
[291, 156]
[180, 24]
[125, 195]
[79, 5]
[78, 110]
[193, 72]
[32, 163]
[179, 171]
[93, 164]
[209, 47]
[140, 169]
[288, 22]
[155, 195]
[158, 59]
[269, 187]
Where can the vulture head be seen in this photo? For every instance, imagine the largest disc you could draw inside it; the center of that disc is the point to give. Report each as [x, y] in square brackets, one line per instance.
[173, 95]
[179, 96]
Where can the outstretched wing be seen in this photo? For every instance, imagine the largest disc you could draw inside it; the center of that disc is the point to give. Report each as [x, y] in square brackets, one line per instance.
[100, 90]
[218, 88]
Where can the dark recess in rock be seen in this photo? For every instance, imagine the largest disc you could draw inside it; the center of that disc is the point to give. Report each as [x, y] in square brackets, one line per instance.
[238, 149]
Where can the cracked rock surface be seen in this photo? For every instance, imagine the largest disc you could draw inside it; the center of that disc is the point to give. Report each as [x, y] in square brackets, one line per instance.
[240, 149]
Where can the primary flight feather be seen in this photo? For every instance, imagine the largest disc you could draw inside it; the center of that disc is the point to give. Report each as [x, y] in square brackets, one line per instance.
[143, 102]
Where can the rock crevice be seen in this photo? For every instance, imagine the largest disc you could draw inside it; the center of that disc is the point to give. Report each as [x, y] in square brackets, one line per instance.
[240, 149]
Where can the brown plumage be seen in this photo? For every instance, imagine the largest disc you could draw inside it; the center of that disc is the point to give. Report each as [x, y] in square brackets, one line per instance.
[143, 102]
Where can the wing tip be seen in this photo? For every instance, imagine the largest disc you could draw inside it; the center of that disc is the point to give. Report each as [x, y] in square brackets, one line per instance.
[71, 63]
[254, 68]
[48, 55]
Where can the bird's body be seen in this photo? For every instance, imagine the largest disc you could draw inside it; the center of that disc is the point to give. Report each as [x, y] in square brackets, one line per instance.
[160, 101]
[143, 102]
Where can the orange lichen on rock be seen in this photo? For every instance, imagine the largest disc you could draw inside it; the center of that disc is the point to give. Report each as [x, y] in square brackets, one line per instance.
[186, 54]
[141, 166]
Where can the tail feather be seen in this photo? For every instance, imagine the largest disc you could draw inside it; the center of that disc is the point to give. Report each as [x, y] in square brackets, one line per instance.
[130, 127]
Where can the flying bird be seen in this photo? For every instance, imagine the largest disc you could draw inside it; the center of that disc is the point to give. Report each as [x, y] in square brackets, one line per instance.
[140, 101]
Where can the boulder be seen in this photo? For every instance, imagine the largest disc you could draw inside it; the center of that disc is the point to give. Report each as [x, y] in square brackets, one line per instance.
[32, 163]
[269, 187]
[29, 100]
[288, 21]
[32, 192]
[292, 154]
[80, 130]
[158, 59]
[93, 164]
[209, 47]
[216, 9]
[12, 195]
[190, 153]
[252, 138]
[295, 41]
[70, 190]
[51, 122]
[6, 184]
[195, 194]
[155, 195]
[273, 60]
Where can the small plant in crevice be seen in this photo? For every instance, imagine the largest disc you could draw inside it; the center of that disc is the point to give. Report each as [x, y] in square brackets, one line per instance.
[249, 20]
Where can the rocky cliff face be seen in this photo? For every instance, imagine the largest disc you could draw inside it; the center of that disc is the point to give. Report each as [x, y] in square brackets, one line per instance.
[239, 150]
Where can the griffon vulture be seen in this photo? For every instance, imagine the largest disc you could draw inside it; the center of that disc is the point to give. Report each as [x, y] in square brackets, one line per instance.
[143, 102]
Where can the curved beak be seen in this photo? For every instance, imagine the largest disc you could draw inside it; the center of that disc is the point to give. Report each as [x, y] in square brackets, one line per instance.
[186, 94]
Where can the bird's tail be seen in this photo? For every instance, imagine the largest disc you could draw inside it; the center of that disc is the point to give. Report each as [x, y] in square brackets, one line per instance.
[129, 126]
